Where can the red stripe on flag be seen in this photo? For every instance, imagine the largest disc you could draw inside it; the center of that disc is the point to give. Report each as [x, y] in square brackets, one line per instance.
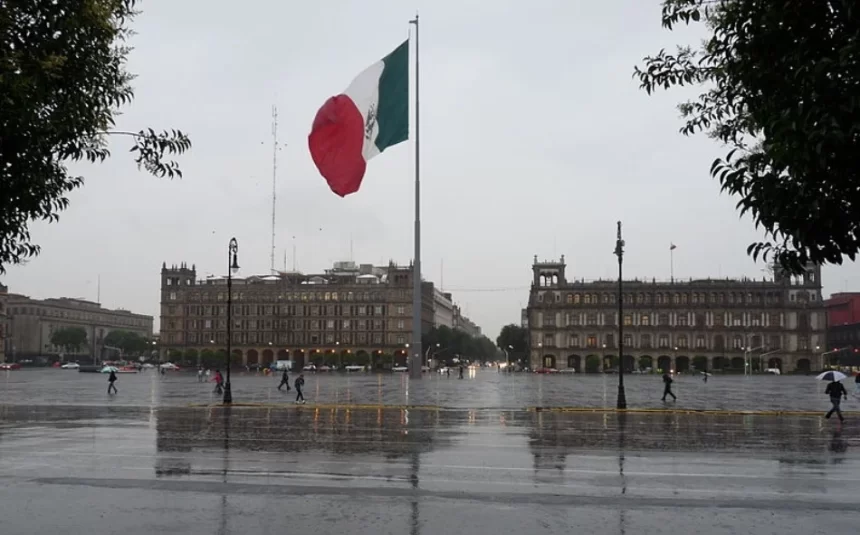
[336, 141]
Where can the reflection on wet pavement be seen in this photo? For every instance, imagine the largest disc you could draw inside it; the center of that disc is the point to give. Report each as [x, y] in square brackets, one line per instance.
[487, 389]
[116, 469]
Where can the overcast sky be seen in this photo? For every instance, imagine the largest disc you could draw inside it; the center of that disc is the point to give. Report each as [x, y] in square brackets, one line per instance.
[535, 140]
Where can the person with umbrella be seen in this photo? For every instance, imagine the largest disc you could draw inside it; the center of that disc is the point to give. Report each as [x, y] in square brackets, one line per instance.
[836, 391]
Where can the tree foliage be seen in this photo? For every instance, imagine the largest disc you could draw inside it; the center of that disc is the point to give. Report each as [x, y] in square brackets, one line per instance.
[70, 339]
[780, 80]
[444, 342]
[131, 343]
[513, 338]
[63, 78]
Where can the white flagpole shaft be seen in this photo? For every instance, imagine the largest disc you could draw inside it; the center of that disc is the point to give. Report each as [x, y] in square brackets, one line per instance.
[415, 348]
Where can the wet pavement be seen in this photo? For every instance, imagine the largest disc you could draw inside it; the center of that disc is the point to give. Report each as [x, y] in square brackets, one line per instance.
[485, 389]
[114, 467]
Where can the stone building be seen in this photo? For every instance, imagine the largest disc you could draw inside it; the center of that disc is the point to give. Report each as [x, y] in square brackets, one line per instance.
[4, 325]
[31, 322]
[350, 309]
[678, 325]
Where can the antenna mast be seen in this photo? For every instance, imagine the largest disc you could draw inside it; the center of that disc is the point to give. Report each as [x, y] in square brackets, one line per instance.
[274, 178]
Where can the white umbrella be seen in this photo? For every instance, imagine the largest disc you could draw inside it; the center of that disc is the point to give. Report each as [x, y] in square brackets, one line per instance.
[108, 369]
[832, 375]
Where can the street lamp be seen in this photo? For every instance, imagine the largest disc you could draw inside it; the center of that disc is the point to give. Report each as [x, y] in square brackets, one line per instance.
[619, 252]
[232, 267]
[747, 360]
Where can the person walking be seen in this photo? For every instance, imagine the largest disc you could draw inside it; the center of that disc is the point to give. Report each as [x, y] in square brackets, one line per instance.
[285, 380]
[299, 384]
[836, 391]
[111, 381]
[461, 372]
[199, 375]
[667, 387]
[219, 382]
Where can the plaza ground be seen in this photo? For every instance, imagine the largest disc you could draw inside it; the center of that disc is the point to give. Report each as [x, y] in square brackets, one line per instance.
[470, 456]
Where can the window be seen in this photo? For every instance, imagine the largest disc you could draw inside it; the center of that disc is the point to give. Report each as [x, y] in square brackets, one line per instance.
[676, 298]
[737, 319]
[802, 320]
[400, 324]
[172, 296]
[549, 320]
[628, 319]
[549, 340]
[775, 342]
[737, 342]
[645, 319]
[401, 310]
[575, 299]
[719, 320]
[207, 324]
[401, 340]
[683, 320]
[682, 341]
[700, 342]
[645, 341]
[664, 340]
[586, 299]
[591, 319]
[609, 340]
[574, 340]
[694, 299]
[700, 320]
[802, 343]
[755, 319]
[663, 319]
[574, 319]
[640, 298]
[569, 299]
[345, 324]
[719, 342]
[774, 320]
[628, 340]
[591, 340]
[683, 299]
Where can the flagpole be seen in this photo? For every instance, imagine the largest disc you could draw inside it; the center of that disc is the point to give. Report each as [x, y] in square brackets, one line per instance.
[415, 347]
[672, 262]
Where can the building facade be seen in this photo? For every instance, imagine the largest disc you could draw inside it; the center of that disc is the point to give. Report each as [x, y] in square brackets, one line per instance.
[31, 323]
[443, 309]
[4, 325]
[463, 323]
[363, 309]
[843, 329]
[676, 326]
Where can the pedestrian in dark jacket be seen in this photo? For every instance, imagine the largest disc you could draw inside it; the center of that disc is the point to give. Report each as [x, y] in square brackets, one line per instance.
[111, 381]
[285, 380]
[667, 387]
[299, 384]
[837, 392]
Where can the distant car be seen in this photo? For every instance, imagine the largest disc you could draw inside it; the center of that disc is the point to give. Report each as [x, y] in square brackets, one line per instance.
[774, 371]
[148, 366]
[567, 370]
[444, 369]
[10, 366]
[309, 368]
[400, 369]
[546, 370]
[354, 368]
[70, 366]
[326, 369]
[169, 366]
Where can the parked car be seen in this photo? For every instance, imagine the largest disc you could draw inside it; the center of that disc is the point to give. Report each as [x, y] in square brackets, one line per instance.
[10, 366]
[70, 366]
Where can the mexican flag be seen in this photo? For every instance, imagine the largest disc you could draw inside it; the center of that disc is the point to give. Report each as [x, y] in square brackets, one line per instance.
[370, 116]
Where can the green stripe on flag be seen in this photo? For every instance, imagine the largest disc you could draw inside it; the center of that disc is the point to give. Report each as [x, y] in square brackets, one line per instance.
[393, 107]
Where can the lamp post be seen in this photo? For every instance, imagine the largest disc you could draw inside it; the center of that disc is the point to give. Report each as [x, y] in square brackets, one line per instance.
[232, 267]
[619, 252]
[747, 360]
